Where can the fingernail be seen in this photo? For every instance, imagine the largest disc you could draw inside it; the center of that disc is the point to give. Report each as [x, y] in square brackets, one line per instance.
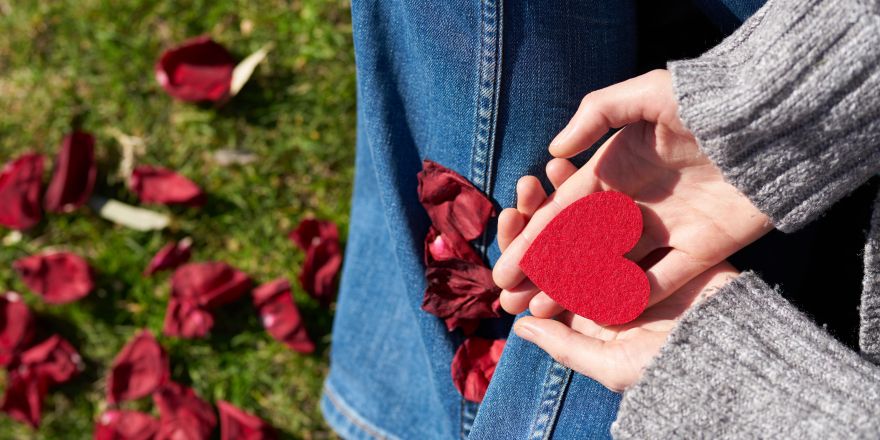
[561, 136]
[525, 330]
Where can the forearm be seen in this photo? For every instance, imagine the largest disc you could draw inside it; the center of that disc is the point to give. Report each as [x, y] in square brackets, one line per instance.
[789, 106]
[745, 363]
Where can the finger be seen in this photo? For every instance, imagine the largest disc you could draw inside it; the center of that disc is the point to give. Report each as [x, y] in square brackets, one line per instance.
[579, 352]
[529, 195]
[507, 272]
[542, 306]
[641, 98]
[510, 223]
[559, 170]
[672, 272]
[516, 300]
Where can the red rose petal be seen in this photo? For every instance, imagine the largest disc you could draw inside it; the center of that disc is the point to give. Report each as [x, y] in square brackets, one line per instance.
[473, 366]
[445, 247]
[59, 277]
[453, 204]
[280, 315]
[140, 368]
[20, 184]
[462, 290]
[209, 284]
[170, 256]
[53, 360]
[74, 175]
[197, 70]
[320, 240]
[126, 425]
[163, 186]
[16, 327]
[183, 415]
[185, 319]
[23, 399]
[236, 424]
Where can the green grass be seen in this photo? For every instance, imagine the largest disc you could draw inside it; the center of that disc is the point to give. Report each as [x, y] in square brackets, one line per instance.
[90, 63]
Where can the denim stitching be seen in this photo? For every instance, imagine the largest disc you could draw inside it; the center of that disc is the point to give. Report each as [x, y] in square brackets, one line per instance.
[558, 378]
[350, 415]
[489, 86]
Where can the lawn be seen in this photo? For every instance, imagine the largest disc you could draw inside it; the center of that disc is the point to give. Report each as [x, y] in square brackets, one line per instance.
[89, 63]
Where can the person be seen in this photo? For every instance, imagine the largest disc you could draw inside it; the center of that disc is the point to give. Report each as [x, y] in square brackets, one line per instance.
[767, 130]
[480, 88]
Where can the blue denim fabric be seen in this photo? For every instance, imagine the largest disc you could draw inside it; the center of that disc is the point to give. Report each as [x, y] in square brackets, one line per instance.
[481, 88]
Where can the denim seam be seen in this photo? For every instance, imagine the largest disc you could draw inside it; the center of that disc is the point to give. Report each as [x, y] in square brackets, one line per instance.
[352, 416]
[557, 380]
[489, 86]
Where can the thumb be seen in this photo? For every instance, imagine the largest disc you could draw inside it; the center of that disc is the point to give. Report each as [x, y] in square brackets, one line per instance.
[646, 97]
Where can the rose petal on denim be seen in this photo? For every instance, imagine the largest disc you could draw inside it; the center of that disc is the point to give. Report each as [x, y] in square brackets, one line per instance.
[474, 364]
[126, 425]
[209, 284]
[280, 316]
[163, 186]
[462, 290]
[140, 368]
[445, 247]
[185, 319]
[320, 241]
[197, 70]
[236, 424]
[182, 413]
[16, 327]
[20, 185]
[73, 176]
[170, 256]
[58, 277]
[453, 204]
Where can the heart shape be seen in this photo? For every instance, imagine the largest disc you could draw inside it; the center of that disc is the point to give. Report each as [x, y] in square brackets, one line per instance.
[578, 259]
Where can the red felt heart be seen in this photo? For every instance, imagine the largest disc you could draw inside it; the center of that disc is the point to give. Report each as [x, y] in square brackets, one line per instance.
[578, 259]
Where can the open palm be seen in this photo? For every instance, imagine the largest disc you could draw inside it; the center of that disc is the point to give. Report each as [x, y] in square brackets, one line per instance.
[693, 219]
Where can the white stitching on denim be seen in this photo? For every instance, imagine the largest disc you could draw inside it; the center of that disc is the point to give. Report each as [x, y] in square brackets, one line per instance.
[557, 380]
[352, 417]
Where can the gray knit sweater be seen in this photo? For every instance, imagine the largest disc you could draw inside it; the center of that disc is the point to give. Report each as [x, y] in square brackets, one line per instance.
[789, 108]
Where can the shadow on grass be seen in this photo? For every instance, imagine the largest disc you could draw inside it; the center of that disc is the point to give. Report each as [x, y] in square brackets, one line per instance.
[260, 101]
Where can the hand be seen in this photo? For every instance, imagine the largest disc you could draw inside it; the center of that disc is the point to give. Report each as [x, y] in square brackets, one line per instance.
[693, 219]
[616, 356]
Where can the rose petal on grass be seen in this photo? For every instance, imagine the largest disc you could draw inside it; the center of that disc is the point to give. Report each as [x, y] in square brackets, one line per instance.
[73, 177]
[140, 368]
[236, 424]
[126, 425]
[58, 277]
[209, 284]
[23, 399]
[53, 360]
[188, 320]
[129, 216]
[170, 256]
[20, 184]
[16, 327]
[461, 289]
[182, 413]
[163, 186]
[320, 240]
[453, 204]
[197, 70]
[280, 316]
[243, 71]
[473, 366]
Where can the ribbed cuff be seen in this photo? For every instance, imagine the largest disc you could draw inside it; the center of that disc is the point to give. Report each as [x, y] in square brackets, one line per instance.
[746, 364]
[789, 105]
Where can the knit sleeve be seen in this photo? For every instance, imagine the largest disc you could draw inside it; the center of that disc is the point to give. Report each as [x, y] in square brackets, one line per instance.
[789, 105]
[746, 364]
